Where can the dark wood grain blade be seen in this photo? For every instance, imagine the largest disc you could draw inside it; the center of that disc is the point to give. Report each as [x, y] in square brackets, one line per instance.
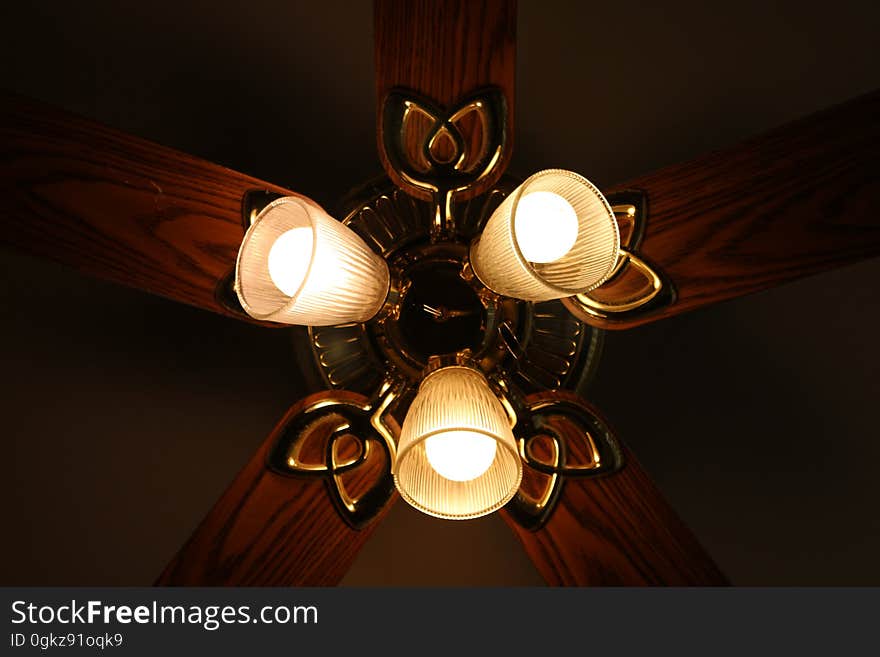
[445, 50]
[119, 207]
[269, 529]
[615, 530]
[793, 202]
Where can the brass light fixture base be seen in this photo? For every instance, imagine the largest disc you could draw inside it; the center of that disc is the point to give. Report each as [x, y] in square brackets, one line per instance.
[437, 306]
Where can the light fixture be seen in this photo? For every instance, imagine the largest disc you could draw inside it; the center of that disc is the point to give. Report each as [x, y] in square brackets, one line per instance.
[298, 265]
[555, 236]
[457, 457]
[414, 305]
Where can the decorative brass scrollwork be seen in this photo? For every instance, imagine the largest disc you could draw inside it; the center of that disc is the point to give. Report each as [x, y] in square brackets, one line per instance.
[314, 442]
[578, 442]
[440, 152]
[615, 300]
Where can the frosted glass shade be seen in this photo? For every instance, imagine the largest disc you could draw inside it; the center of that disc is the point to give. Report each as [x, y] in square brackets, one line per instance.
[457, 427]
[298, 265]
[555, 236]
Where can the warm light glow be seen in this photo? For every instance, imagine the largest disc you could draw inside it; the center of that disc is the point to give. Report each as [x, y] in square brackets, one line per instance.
[457, 457]
[298, 265]
[555, 236]
[460, 455]
[289, 259]
[546, 226]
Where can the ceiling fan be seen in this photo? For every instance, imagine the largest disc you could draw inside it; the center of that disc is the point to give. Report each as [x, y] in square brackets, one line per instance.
[781, 206]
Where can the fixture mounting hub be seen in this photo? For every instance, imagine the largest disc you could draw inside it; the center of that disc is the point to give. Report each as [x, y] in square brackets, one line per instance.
[535, 347]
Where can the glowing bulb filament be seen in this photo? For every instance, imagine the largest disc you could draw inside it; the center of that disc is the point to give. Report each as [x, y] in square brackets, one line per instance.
[460, 455]
[289, 259]
[546, 226]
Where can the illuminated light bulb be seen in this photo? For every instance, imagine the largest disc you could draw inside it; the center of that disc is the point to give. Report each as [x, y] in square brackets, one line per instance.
[460, 455]
[289, 259]
[532, 249]
[546, 226]
[298, 265]
[456, 457]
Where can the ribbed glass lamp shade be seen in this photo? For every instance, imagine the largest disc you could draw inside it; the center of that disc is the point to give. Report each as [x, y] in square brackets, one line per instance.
[555, 236]
[298, 265]
[457, 457]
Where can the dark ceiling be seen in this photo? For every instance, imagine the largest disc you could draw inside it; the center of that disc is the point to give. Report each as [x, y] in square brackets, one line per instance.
[126, 415]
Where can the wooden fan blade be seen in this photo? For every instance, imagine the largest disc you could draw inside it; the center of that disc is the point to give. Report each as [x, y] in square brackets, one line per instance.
[119, 207]
[615, 530]
[793, 202]
[271, 529]
[446, 51]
